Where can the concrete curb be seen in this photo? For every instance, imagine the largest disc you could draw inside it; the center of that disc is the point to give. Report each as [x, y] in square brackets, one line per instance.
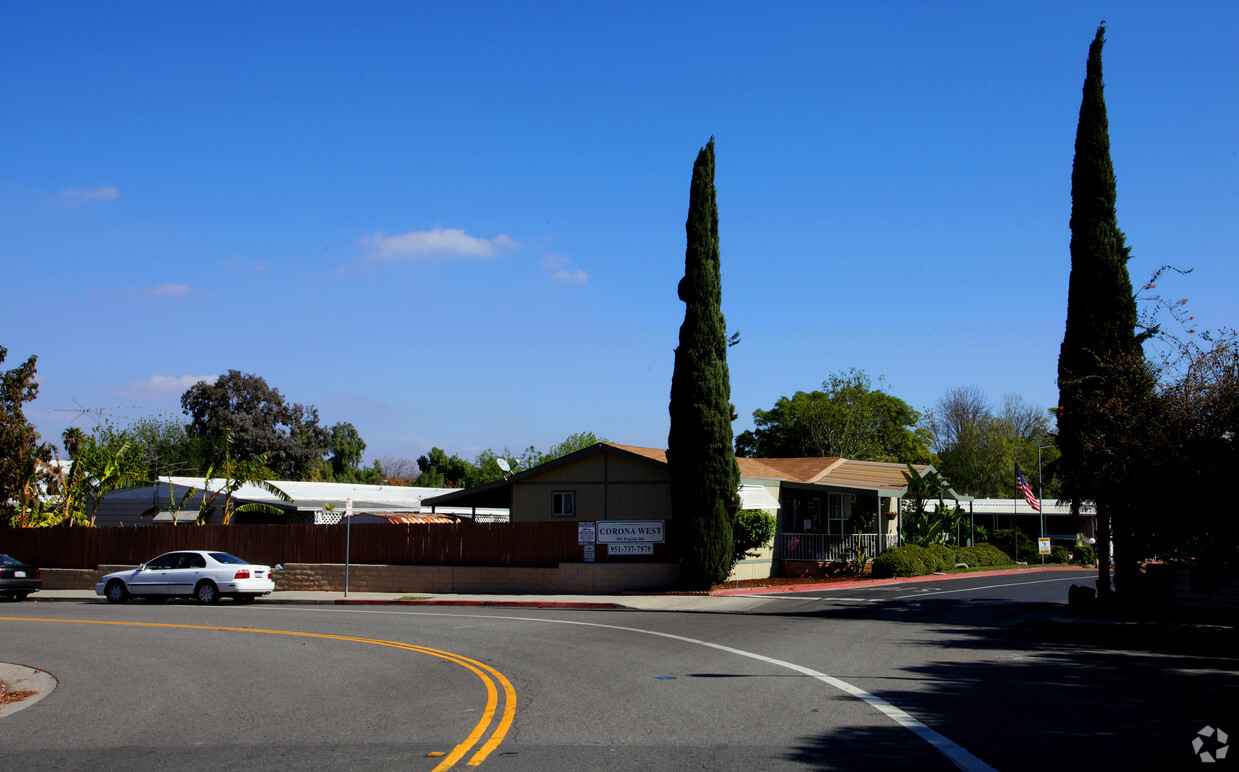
[18, 678]
[488, 603]
[858, 583]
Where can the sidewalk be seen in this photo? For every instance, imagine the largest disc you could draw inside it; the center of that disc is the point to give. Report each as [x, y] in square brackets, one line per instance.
[598, 602]
[721, 600]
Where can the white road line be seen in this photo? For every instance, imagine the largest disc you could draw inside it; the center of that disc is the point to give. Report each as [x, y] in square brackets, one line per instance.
[812, 597]
[987, 587]
[954, 752]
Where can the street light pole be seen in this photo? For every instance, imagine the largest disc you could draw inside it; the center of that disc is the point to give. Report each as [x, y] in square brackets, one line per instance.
[1040, 492]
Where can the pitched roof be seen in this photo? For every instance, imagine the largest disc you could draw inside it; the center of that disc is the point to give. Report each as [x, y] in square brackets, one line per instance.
[749, 467]
[832, 470]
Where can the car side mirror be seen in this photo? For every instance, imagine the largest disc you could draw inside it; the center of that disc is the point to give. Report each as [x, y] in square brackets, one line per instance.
[141, 566]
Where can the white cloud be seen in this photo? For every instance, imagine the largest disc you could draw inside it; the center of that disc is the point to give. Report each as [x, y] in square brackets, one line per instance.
[163, 385]
[147, 294]
[169, 291]
[562, 271]
[576, 276]
[239, 264]
[86, 195]
[438, 242]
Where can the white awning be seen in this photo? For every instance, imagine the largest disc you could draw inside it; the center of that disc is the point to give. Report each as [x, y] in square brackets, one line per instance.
[757, 497]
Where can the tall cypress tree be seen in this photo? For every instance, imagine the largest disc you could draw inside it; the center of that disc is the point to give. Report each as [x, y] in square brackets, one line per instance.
[704, 475]
[1100, 337]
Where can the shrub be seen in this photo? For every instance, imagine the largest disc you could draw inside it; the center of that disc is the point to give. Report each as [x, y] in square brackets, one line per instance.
[989, 555]
[750, 531]
[898, 561]
[1058, 555]
[1006, 540]
[1085, 554]
[927, 558]
[945, 556]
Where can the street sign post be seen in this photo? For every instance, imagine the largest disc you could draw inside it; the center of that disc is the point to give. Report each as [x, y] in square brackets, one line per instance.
[348, 526]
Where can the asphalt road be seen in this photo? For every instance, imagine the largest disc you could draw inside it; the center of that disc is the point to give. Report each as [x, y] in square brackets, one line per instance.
[964, 673]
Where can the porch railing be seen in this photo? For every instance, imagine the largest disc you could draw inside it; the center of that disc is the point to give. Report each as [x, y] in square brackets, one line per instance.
[822, 547]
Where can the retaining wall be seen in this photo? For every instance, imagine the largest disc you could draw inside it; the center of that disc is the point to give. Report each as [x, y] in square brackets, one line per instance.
[1194, 589]
[565, 579]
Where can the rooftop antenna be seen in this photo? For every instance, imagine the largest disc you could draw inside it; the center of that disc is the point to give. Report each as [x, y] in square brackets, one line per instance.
[98, 412]
[504, 466]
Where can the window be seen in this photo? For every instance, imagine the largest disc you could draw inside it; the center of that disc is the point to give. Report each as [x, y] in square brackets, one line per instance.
[839, 510]
[164, 562]
[563, 503]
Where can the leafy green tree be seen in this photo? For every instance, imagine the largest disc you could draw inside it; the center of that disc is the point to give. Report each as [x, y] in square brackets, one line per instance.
[164, 445]
[1100, 357]
[704, 475]
[752, 530]
[978, 447]
[848, 419]
[235, 473]
[346, 448]
[923, 526]
[439, 470]
[21, 452]
[1195, 444]
[100, 462]
[259, 421]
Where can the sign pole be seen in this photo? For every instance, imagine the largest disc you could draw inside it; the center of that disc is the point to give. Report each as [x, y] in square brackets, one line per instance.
[348, 526]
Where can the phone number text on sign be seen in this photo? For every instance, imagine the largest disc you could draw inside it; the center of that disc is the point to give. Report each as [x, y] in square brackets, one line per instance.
[630, 549]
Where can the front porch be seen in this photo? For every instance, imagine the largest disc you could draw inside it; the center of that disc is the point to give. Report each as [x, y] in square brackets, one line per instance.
[831, 547]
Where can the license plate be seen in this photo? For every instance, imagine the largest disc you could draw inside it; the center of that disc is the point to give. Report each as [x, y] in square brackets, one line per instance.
[20, 574]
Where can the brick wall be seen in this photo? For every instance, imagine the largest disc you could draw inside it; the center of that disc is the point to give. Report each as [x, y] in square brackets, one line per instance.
[1196, 590]
[567, 578]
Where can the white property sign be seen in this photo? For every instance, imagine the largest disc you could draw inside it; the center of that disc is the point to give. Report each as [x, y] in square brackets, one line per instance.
[585, 532]
[631, 531]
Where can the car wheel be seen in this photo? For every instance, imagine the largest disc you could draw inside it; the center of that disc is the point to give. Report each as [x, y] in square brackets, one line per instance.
[206, 593]
[19, 597]
[116, 592]
[243, 598]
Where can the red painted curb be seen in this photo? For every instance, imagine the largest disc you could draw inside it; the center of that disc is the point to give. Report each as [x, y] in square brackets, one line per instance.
[861, 583]
[493, 603]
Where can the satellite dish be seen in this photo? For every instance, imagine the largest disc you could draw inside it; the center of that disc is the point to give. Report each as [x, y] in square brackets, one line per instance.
[503, 464]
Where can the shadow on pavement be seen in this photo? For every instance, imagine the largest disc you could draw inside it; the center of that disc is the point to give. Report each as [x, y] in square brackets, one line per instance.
[1048, 689]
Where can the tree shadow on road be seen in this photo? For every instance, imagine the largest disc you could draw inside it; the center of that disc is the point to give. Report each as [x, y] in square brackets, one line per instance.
[1039, 690]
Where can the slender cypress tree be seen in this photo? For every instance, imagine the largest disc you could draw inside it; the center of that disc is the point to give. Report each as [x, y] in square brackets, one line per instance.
[1100, 336]
[704, 475]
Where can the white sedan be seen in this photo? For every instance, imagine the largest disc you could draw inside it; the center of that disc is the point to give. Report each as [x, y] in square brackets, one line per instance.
[200, 574]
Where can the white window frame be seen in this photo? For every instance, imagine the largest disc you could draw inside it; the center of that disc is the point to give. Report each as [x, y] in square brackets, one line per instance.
[838, 512]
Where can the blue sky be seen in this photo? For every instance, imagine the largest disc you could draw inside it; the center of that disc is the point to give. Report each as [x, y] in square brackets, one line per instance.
[462, 224]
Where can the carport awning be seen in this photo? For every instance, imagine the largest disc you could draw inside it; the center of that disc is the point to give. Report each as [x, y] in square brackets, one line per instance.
[757, 497]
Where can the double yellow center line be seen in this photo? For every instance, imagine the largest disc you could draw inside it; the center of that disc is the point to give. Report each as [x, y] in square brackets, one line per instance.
[491, 678]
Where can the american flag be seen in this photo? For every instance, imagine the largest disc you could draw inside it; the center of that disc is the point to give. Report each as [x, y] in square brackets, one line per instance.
[1022, 484]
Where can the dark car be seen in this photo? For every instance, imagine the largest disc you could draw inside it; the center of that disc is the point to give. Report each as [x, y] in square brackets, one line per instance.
[17, 580]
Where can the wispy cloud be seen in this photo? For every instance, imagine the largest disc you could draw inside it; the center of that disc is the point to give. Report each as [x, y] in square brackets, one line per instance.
[562, 271]
[162, 386]
[239, 264]
[449, 243]
[171, 290]
[86, 195]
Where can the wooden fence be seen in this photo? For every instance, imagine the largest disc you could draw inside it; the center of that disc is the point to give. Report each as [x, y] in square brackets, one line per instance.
[440, 544]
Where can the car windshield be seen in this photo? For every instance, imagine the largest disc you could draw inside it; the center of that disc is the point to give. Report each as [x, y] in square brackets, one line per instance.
[224, 557]
[5, 560]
